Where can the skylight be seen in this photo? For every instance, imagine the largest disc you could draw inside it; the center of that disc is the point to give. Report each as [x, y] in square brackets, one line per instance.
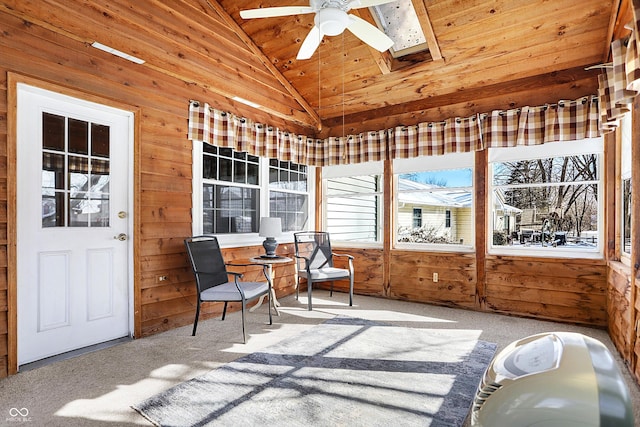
[400, 22]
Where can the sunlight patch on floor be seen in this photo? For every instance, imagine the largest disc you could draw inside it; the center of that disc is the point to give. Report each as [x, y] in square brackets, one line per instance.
[115, 405]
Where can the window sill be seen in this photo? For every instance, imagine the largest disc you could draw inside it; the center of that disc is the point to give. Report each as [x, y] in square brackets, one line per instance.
[421, 247]
[547, 253]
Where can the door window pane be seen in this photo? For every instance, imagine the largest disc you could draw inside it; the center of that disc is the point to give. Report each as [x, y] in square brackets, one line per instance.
[78, 136]
[53, 132]
[75, 185]
[99, 140]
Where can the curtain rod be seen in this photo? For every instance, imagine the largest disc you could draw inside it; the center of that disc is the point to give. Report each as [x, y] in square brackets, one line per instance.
[605, 65]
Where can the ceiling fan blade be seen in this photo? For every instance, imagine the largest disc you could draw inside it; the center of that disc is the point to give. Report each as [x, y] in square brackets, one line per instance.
[310, 43]
[359, 4]
[271, 12]
[369, 34]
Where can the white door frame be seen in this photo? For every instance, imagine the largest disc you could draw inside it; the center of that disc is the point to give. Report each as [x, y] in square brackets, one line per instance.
[14, 81]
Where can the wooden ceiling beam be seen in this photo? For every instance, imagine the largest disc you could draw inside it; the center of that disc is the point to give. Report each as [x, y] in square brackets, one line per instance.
[214, 5]
[427, 29]
[575, 82]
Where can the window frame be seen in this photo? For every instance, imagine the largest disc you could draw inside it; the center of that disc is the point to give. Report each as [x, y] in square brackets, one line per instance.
[626, 139]
[545, 151]
[243, 239]
[353, 170]
[433, 164]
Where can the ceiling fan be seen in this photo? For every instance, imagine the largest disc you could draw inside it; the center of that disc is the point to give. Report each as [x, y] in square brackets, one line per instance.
[331, 19]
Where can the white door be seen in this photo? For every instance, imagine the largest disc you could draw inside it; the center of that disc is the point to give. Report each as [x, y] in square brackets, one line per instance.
[72, 223]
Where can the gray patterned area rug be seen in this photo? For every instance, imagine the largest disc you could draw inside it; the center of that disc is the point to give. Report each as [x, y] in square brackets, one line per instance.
[343, 372]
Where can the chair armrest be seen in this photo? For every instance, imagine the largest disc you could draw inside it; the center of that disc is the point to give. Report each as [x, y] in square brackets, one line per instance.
[349, 257]
[343, 255]
[235, 274]
[304, 258]
[239, 275]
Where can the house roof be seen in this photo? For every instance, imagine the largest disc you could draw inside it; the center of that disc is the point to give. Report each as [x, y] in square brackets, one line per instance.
[417, 193]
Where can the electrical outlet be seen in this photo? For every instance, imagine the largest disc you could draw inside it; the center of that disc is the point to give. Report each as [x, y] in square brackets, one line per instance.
[435, 277]
[162, 278]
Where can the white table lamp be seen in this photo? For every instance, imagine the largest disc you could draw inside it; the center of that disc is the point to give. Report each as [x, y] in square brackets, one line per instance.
[270, 228]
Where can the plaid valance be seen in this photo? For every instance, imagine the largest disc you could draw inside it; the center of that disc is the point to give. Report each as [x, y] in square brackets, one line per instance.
[564, 121]
[619, 85]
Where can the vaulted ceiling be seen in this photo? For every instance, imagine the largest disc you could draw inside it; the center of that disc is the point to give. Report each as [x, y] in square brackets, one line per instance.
[488, 55]
[483, 55]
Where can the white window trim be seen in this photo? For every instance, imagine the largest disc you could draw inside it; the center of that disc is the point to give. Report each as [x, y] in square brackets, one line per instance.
[243, 239]
[554, 149]
[626, 138]
[358, 169]
[432, 164]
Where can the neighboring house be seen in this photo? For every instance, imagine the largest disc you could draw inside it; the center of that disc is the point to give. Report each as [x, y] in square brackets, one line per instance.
[505, 215]
[428, 206]
[448, 213]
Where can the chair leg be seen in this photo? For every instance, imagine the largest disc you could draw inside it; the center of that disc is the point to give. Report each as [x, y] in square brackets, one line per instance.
[195, 322]
[244, 333]
[224, 310]
[351, 290]
[309, 288]
[297, 288]
[270, 304]
[331, 289]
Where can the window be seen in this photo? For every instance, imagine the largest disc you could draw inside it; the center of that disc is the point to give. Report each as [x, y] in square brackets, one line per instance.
[232, 190]
[626, 216]
[288, 194]
[547, 198]
[444, 197]
[625, 175]
[417, 217]
[353, 209]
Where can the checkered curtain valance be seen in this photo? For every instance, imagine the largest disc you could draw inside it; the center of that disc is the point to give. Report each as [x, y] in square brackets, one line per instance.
[565, 121]
[619, 85]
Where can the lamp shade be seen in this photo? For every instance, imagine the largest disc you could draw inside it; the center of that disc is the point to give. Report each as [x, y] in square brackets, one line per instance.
[270, 227]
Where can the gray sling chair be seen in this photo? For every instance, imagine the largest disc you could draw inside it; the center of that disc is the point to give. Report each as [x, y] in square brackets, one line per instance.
[212, 279]
[314, 262]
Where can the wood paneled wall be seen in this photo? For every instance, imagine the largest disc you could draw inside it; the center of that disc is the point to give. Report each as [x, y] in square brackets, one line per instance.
[574, 291]
[565, 290]
[619, 308]
[4, 299]
[412, 277]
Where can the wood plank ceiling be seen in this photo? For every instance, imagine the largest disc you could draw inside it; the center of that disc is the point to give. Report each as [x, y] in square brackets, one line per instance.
[494, 55]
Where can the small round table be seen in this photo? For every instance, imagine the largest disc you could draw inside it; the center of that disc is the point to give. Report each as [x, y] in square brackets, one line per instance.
[269, 262]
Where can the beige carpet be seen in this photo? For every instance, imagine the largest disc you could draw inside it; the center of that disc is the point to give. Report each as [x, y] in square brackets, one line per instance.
[98, 389]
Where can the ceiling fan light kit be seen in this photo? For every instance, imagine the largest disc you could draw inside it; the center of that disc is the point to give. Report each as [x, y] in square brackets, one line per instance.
[331, 19]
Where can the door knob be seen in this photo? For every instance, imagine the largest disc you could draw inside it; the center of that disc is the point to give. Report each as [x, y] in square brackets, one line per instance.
[122, 237]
